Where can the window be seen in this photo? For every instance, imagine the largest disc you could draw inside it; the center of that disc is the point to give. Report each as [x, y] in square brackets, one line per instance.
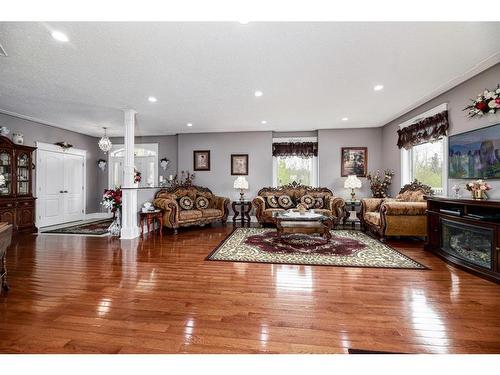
[287, 169]
[427, 164]
[145, 161]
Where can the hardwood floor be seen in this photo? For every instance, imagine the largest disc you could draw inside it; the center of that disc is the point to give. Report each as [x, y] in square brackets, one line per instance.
[72, 294]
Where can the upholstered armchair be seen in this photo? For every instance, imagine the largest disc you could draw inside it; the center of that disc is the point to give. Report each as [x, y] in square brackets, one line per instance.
[184, 206]
[321, 200]
[403, 216]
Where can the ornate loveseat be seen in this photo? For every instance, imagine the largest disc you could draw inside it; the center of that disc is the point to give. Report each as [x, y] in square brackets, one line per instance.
[180, 211]
[323, 201]
[403, 216]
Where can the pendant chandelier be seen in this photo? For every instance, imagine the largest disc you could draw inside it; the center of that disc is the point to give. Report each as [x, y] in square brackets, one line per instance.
[104, 143]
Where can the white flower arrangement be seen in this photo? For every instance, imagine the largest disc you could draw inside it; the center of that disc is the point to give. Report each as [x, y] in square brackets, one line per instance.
[486, 102]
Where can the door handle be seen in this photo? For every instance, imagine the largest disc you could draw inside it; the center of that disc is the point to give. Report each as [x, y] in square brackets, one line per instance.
[60, 191]
[65, 191]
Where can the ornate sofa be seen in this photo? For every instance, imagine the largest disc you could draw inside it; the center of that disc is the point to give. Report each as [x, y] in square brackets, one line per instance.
[180, 211]
[403, 216]
[323, 201]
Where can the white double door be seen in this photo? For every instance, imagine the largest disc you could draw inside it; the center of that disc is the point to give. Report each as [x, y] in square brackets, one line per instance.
[60, 182]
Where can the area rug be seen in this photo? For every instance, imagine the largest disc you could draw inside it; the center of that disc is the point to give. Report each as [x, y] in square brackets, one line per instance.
[347, 248]
[95, 228]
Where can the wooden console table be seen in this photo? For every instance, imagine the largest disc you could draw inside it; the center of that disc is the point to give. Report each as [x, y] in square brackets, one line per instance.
[465, 232]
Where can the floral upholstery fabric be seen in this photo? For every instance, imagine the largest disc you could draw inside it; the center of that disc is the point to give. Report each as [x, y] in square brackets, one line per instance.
[404, 208]
[372, 218]
[211, 212]
[188, 215]
[272, 201]
[319, 202]
[308, 201]
[186, 203]
[285, 201]
[372, 204]
[202, 203]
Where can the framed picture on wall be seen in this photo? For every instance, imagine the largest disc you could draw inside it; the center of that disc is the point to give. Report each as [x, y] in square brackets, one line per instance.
[354, 160]
[201, 160]
[239, 164]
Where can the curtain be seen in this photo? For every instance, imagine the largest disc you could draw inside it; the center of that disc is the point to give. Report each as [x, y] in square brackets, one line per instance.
[429, 129]
[302, 149]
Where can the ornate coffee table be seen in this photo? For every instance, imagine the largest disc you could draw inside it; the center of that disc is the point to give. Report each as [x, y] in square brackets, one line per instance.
[306, 223]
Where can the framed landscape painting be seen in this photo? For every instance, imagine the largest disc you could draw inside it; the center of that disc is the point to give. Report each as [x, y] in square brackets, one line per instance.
[201, 160]
[475, 154]
[239, 164]
[354, 160]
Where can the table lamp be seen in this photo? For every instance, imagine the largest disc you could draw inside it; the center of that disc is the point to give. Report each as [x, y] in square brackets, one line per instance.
[242, 184]
[352, 182]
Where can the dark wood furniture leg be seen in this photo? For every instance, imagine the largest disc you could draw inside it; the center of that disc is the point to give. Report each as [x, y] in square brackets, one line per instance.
[235, 211]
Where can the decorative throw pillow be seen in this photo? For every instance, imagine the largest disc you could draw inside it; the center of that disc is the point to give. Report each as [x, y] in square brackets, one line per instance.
[319, 202]
[307, 201]
[186, 203]
[272, 201]
[285, 201]
[202, 203]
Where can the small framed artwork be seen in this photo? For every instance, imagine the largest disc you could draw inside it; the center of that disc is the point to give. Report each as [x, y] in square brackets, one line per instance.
[239, 164]
[354, 161]
[201, 160]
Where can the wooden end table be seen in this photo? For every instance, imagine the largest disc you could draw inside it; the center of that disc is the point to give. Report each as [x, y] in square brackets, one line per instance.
[150, 217]
[244, 211]
[307, 223]
[351, 211]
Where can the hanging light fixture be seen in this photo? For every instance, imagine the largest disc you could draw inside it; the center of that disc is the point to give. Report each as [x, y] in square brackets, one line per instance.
[104, 143]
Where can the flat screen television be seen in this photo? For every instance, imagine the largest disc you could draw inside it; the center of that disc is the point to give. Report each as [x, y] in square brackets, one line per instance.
[475, 154]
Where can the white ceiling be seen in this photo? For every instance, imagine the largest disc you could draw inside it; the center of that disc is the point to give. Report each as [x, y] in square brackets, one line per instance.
[312, 74]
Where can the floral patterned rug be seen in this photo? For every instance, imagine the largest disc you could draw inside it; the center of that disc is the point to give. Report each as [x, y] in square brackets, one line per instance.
[347, 248]
[94, 228]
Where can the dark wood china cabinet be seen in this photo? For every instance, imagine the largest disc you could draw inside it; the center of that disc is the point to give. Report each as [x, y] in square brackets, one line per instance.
[17, 204]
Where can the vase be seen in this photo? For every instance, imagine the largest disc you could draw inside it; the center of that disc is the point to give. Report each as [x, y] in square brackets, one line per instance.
[478, 194]
[116, 226]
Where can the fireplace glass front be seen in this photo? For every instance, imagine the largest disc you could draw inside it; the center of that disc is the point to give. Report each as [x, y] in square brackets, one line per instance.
[468, 242]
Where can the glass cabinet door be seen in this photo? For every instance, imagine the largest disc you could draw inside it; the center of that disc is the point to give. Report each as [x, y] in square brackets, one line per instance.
[23, 176]
[6, 172]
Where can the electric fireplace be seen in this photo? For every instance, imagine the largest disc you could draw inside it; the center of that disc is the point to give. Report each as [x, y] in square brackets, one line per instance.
[470, 243]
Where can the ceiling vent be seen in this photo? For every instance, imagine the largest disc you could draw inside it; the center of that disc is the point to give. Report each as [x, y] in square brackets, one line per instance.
[2, 51]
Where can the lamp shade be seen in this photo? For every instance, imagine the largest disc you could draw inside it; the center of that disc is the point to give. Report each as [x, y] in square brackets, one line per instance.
[241, 183]
[352, 182]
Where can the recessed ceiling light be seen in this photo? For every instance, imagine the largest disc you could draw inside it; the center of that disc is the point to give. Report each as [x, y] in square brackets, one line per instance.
[378, 87]
[258, 93]
[263, 122]
[189, 124]
[344, 119]
[59, 36]
[152, 99]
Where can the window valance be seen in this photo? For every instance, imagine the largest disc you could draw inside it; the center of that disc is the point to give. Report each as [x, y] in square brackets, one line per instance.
[429, 129]
[301, 149]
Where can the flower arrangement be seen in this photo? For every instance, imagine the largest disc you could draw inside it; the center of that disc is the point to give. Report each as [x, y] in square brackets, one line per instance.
[486, 102]
[186, 179]
[137, 176]
[379, 184]
[478, 189]
[112, 199]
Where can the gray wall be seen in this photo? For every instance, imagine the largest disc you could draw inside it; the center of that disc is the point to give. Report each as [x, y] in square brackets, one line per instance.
[36, 132]
[330, 143]
[457, 98]
[258, 146]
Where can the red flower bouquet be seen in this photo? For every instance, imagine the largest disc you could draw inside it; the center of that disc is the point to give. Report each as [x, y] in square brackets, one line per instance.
[112, 199]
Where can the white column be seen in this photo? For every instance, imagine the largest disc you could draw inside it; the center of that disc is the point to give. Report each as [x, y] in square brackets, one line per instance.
[129, 200]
